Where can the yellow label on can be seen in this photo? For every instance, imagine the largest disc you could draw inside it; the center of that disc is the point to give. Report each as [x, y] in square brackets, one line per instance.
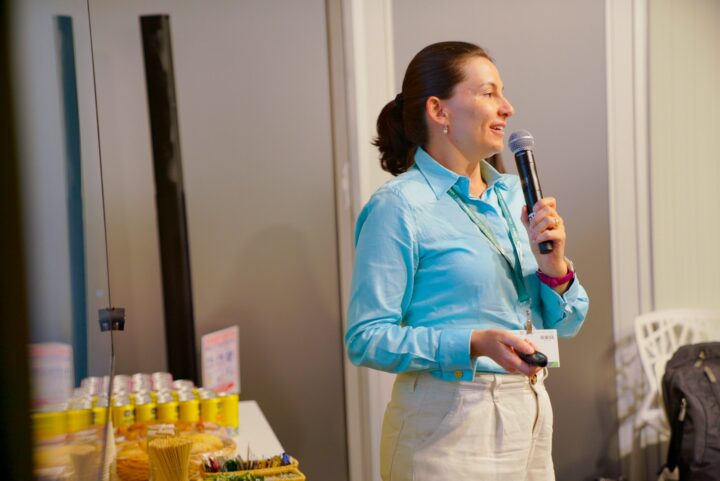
[99, 415]
[210, 410]
[79, 419]
[123, 416]
[229, 410]
[190, 411]
[167, 412]
[145, 412]
[50, 424]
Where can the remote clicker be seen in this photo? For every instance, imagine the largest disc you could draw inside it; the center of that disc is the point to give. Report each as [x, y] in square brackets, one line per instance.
[537, 358]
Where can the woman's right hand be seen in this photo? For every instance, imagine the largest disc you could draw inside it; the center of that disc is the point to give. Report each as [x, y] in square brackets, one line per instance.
[500, 346]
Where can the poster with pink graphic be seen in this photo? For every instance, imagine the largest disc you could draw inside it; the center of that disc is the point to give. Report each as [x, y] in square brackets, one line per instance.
[221, 360]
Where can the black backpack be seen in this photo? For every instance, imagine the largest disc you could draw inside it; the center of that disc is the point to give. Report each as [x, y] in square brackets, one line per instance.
[691, 390]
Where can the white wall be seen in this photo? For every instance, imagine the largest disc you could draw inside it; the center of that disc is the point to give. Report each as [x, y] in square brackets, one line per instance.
[684, 104]
[654, 128]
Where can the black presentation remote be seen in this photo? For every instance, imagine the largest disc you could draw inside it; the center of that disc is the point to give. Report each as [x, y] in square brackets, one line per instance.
[537, 358]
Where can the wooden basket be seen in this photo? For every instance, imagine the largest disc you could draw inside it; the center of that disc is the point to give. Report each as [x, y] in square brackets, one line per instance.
[291, 468]
[267, 472]
[135, 465]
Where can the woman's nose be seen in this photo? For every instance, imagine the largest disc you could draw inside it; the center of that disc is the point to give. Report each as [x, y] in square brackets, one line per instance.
[506, 109]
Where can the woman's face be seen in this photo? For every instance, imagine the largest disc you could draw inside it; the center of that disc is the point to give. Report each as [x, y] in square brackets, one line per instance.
[478, 110]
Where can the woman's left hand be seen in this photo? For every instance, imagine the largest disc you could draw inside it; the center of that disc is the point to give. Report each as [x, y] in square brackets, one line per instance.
[547, 225]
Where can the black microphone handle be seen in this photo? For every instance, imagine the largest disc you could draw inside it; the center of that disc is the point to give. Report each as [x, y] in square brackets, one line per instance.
[525, 162]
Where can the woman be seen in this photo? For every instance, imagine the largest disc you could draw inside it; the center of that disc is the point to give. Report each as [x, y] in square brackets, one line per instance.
[435, 295]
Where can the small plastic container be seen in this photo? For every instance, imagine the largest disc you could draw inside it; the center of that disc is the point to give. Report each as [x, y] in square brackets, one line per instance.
[123, 413]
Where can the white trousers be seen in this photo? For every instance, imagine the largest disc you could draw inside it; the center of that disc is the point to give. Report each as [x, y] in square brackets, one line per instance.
[495, 428]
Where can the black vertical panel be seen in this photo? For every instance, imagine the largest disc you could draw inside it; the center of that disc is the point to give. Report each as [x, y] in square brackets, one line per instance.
[170, 197]
[15, 441]
[73, 169]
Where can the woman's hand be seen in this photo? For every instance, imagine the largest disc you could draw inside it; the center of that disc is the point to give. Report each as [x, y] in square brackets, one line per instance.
[500, 346]
[547, 225]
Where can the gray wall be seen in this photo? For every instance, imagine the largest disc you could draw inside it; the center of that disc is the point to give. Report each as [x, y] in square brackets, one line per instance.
[38, 102]
[252, 83]
[551, 56]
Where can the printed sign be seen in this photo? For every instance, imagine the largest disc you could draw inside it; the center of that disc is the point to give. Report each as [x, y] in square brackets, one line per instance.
[221, 360]
[51, 365]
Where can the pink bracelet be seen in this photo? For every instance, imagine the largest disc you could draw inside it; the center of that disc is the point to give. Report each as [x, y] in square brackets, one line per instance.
[555, 281]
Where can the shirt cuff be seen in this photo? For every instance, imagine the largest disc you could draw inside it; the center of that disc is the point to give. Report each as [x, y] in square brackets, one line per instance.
[557, 307]
[454, 351]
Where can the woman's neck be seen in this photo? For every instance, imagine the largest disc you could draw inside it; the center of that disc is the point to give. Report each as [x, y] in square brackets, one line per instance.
[455, 161]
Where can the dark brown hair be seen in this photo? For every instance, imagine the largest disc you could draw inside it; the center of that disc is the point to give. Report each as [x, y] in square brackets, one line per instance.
[401, 125]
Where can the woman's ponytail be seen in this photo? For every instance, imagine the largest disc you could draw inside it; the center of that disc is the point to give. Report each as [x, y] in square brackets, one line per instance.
[396, 150]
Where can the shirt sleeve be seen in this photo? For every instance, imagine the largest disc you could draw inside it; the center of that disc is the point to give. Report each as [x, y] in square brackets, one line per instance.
[386, 258]
[565, 312]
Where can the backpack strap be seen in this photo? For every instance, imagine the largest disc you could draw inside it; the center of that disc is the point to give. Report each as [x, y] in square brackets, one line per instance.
[714, 385]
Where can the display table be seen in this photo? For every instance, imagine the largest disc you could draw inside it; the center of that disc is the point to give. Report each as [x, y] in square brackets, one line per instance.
[255, 432]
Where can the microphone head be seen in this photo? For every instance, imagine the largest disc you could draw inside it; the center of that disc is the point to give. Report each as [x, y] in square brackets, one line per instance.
[521, 140]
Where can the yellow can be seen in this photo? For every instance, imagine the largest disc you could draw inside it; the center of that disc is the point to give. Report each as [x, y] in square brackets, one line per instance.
[145, 412]
[190, 410]
[79, 419]
[167, 412]
[99, 415]
[210, 410]
[229, 405]
[47, 425]
[123, 415]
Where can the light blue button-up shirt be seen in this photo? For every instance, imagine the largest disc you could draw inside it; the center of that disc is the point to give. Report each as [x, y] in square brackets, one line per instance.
[425, 276]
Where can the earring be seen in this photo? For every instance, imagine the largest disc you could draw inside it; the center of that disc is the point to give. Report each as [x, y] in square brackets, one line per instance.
[445, 129]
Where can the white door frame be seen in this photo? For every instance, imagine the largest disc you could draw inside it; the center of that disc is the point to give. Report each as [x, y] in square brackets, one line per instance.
[362, 82]
[629, 184]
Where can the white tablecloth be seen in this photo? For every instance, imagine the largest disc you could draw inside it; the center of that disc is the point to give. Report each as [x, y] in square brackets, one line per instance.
[255, 432]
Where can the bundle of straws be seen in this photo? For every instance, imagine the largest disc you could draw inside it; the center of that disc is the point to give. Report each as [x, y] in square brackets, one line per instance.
[169, 458]
[85, 461]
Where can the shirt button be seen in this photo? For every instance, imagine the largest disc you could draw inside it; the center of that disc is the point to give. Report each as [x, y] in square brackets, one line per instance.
[458, 374]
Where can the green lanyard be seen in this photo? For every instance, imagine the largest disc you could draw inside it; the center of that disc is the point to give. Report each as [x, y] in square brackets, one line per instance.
[516, 269]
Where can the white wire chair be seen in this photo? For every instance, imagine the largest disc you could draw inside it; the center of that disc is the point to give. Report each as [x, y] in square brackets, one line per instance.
[659, 334]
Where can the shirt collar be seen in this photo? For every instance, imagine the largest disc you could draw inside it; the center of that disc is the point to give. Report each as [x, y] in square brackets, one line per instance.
[441, 179]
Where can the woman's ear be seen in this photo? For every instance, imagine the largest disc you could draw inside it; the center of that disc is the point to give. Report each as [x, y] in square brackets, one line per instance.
[436, 112]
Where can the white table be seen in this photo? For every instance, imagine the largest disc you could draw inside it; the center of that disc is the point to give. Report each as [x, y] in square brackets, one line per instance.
[255, 432]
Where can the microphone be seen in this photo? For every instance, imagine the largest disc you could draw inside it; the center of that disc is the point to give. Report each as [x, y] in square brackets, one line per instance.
[521, 144]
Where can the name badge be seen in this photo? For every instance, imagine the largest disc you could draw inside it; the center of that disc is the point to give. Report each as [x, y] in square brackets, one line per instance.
[546, 341]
